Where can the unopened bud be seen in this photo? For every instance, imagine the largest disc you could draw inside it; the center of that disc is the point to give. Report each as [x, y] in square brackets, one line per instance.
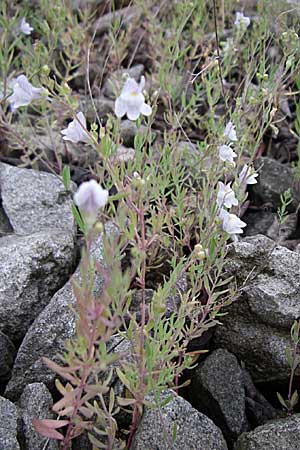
[199, 251]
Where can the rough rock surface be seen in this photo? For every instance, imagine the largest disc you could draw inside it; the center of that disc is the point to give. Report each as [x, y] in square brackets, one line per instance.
[275, 178]
[7, 355]
[217, 390]
[258, 222]
[194, 430]
[35, 201]
[128, 131]
[35, 403]
[258, 409]
[257, 326]
[8, 425]
[282, 434]
[32, 268]
[49, 332]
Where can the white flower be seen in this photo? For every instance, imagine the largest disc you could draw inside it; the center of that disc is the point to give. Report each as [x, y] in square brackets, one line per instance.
[23, 92]
[226, 153]
[89, 198]
[230, 132]
[132, 101]
[245, 175]
[231, 223]
[25, 27]
[226, 196]
[76, 131]
[241, 21]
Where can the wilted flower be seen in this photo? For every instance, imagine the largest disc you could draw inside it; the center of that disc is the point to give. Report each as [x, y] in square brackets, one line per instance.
[245, 175]
[76, 131]
[230, 132]
[226, 196]
[25, 27]
[132, 101]
[226, 153]
[231, 223]
[241, 21]
[23, 93]
[89, 198]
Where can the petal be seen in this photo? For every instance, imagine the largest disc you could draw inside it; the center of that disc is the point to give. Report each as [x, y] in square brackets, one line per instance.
[146, 109]
[133, 112]
[130, 85]
[120, 107]
[142, 83]
[81, 118]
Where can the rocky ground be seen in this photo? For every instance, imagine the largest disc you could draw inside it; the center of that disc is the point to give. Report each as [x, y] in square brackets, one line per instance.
[222, 408]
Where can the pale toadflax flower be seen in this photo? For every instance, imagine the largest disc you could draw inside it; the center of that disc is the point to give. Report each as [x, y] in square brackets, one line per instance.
[230, 132]
[246, 176]
[89, 198]
[76, 130]
[25, 27]
[241, 21]
[231, 223]
[227, 154]
[132, 101]
[226, 196]
[23, 93]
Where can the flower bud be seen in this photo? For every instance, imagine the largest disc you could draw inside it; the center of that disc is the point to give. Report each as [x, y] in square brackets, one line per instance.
[200, 253]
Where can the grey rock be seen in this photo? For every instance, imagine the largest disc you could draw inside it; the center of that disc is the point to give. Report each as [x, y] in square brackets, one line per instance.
[282, 434]
[217, 390]
[125, 15]
[35, 403]
[194, 430]
[257, 326]
[258, 409]
[258, 222]
[50, 331]
[260, 346]
[274, 179]
[115, 81]
[5, 226]
[103, 105]
[8, 425]
[7, 356]
[273, 295]
[35, 201]
[128, 131]
[32, 268]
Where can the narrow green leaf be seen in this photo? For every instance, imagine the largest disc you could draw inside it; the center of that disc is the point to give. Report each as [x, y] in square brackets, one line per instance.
[66, 176]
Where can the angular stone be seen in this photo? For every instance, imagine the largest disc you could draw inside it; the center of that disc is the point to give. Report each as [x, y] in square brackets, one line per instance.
[128, 131]
[257, 326]
[50, 331]
[273, 295]
[194, 430]
[258, 409]
[7, 356]
[35, 201]
[35, 403]
[125, 15]
[103, 105]
[258, 222]
[282, 434]
[217, 390]
[274, 179]
[32, 268]
[8, 425]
